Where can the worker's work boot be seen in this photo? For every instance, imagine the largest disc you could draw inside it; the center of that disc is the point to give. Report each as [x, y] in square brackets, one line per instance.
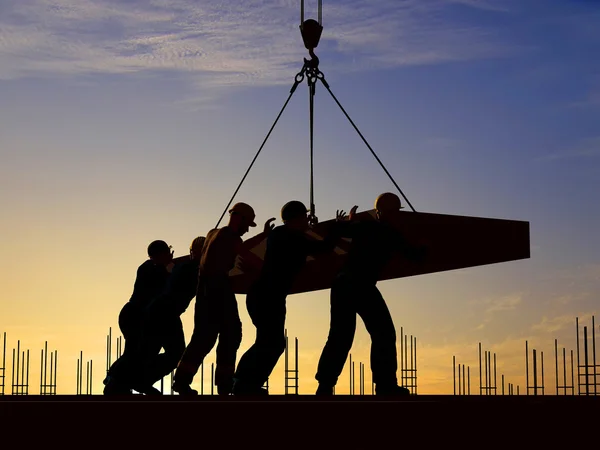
[324, 389]
[391, 390]
[240, 388]
[183, 389]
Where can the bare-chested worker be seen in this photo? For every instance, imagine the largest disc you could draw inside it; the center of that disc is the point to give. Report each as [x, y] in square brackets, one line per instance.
[216, 312]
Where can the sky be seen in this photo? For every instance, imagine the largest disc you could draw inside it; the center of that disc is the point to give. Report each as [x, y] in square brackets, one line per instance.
[122, 122]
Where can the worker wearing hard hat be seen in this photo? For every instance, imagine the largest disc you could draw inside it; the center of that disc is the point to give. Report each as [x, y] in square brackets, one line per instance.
[354, 291]
[288, 246]
[162, 326]
[216, 312]
[151, 279]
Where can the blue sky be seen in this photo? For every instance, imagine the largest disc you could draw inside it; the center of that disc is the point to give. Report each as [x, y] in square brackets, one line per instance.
[126, 121]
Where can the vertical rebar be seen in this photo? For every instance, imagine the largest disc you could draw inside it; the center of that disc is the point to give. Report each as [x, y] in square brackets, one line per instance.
[415, 373]
[51, 373]
[556, 363]
[572, 375]
[480, 368]
[587, 364]
[526, 368]
[534, 373]
[469, 380]
[487, 383]
[565, 369]
[594, 352]
[454, 374]
[543, 385]
[495, 381]
[402, 357]
[578, 360]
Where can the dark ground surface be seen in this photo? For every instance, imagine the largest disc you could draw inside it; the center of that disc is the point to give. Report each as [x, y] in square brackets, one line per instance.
[424, 421]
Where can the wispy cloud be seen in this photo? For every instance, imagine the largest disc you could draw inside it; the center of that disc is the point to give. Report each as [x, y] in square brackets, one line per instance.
[223, 44]
[488, 5]
[587, 148]
[558, 323]
[497, 305]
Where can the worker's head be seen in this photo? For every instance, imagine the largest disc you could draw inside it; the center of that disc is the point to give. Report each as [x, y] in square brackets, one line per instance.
[196, 247]
[160, 252]
[294, 215]
[241, 218]
[387, 206]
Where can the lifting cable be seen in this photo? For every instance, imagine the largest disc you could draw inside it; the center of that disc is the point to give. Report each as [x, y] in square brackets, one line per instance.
[311, 35]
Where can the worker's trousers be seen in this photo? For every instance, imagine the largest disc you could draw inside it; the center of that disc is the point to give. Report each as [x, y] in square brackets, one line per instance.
[350, 298]
[267, 311]
[216, 315]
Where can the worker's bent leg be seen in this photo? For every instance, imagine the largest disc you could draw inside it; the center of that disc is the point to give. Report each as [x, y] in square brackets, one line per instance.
[130, 323]
[378, 322]
[230, 338]
[341, 334]
[207, 323]
[171, 338]
[258, 362]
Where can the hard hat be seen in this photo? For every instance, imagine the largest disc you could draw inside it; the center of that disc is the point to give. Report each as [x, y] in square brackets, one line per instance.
[293, 209]
[388, 202]
[197, 243]
[157, 247]
[244, 210]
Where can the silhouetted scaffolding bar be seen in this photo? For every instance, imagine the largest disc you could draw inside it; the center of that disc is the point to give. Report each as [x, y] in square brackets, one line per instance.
[535, 387]
[587, 371]
[352, 375]
[20, 384]
[464, 388]
[109, 349]
[564, 387]
[291, 375]
[408, 374]
[362, 378]
[3, 367]
[490, 383]
[48, 388]
[88, 376]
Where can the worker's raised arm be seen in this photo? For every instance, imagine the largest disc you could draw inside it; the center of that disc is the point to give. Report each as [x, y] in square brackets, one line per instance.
[249, 260]
[340, 228]
[255, 240]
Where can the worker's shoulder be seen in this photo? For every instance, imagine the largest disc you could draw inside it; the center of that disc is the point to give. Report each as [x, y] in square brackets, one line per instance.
[224, 234]
[146, 266]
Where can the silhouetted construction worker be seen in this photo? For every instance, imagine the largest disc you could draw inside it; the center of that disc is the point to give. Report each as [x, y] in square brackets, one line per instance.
[216, 312]
[288, 246]
[151, 279]
[354, 291]
[162, 326]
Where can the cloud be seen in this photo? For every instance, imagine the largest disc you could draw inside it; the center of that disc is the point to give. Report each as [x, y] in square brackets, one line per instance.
[219, 44]
[488, 5]
[558, 323]
[501, 304]
[587, 148]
